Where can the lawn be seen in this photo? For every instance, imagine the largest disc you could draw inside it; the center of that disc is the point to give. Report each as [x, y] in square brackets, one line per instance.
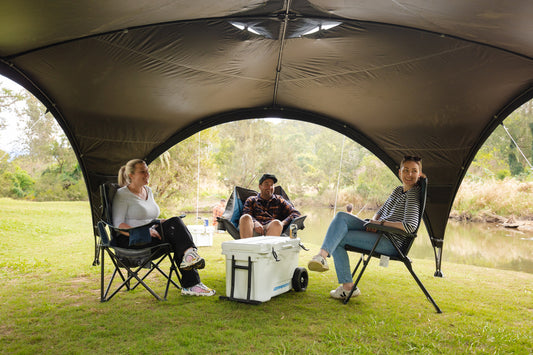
[50, 303]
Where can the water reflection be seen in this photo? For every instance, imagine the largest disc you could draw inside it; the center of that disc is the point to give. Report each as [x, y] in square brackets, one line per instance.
[464, 243]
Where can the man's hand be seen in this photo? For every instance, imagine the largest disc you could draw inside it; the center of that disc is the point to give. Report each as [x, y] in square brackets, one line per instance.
[258, 228]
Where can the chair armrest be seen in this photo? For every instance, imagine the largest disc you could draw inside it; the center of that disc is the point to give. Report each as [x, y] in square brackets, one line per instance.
[105, 238]
[299, 222]
[392, 230]
[151, 223]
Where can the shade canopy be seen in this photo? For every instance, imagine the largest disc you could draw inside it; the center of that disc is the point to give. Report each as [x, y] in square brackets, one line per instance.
[131, 78]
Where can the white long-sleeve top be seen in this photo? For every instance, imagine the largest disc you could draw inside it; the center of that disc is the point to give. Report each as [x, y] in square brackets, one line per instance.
[131, 209]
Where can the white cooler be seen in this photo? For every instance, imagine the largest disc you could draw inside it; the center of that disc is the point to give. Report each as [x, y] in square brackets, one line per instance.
[262, 267]
[202, 235]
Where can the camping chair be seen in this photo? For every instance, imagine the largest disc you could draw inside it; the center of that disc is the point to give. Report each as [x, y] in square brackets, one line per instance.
[392, 243]
[233, 212]
[137, 263]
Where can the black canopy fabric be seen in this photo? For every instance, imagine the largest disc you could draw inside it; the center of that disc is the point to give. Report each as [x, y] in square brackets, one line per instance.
[130, 78]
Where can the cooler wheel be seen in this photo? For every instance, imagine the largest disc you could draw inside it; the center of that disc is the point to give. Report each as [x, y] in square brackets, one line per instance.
[300, 279]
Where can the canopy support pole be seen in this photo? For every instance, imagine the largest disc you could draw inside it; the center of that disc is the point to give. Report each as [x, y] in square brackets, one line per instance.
[198, 179]
[339, 177]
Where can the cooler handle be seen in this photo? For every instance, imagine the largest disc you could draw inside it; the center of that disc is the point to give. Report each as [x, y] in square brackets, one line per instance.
[274, 254]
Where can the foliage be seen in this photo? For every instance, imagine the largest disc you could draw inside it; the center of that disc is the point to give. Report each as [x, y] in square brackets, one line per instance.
[374, 181]
[8, 102]
[17, 183]
[47, 169]
[479, 200]
[500, 157]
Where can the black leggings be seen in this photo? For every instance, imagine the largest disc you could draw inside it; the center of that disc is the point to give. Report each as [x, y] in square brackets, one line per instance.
[176, 233]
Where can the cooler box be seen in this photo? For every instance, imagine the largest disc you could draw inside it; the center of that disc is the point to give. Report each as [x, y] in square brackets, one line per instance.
[259, 268]
[202, 235]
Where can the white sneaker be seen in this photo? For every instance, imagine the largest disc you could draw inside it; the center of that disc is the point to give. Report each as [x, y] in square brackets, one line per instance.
[192, 260]
[341, 294]
[318, 263]
[198, 290]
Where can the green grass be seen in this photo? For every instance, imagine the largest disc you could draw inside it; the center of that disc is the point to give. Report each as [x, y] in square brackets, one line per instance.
[50, 303]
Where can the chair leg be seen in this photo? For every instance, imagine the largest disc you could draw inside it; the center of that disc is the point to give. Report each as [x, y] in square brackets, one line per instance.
[136, 274]
[173, 269]
[102, 296]
[357, 266]
[126, 281]
[407, 263]
[365, 263]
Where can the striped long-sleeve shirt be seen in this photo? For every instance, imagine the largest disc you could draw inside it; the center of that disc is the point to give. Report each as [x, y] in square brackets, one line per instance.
[402, 207]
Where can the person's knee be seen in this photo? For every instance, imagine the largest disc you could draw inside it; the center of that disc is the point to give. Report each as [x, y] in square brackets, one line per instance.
[275, 227]
[174, 220]
[246, 226]
[276, 223]
[245, 218]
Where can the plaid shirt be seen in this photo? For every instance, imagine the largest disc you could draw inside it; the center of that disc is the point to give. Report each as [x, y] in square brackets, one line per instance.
[264, 211]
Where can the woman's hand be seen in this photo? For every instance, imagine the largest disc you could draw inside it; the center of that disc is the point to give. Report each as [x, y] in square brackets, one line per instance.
[154, 233]
[373, 230]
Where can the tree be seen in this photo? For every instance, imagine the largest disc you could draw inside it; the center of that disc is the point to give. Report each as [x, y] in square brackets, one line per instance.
[8, 103]
[245, 152]
[41, 130]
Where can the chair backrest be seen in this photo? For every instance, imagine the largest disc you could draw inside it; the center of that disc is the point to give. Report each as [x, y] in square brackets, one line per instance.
[237, 199]
[235, 204]
[423, 182]
[107, 193]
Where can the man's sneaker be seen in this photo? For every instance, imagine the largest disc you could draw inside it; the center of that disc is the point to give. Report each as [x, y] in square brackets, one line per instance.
[198, 290]
[191, 260]
[318, 263]
[340, 293]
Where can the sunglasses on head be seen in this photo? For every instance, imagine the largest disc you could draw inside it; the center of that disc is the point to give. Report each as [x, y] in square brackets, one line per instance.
[411, 158]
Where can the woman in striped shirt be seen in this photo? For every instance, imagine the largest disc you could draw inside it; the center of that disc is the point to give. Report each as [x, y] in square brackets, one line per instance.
[401, 211]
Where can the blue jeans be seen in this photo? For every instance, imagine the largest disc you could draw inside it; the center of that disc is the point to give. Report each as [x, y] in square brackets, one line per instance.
[344, 229]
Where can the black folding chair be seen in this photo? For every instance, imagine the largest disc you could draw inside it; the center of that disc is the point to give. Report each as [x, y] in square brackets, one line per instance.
[233, 212]
[130, 264]
[392, 243]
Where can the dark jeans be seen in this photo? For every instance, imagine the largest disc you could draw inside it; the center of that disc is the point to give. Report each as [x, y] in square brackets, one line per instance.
[176, 233]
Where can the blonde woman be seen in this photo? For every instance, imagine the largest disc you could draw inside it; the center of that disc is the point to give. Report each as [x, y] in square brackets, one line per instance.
[134, 205]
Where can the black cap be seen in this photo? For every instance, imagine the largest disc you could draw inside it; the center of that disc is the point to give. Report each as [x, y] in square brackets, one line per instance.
[267, 176]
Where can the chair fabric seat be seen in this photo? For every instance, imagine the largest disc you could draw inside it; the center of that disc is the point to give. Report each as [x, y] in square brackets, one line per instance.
[138, 257]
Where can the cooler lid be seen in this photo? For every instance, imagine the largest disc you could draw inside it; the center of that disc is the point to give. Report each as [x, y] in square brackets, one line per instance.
[260, 245]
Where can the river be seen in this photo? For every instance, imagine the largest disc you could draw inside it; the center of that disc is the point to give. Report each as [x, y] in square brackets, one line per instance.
[481, 244]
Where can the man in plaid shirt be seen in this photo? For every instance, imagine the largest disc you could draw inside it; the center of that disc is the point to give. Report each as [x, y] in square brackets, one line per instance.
[266, 213]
